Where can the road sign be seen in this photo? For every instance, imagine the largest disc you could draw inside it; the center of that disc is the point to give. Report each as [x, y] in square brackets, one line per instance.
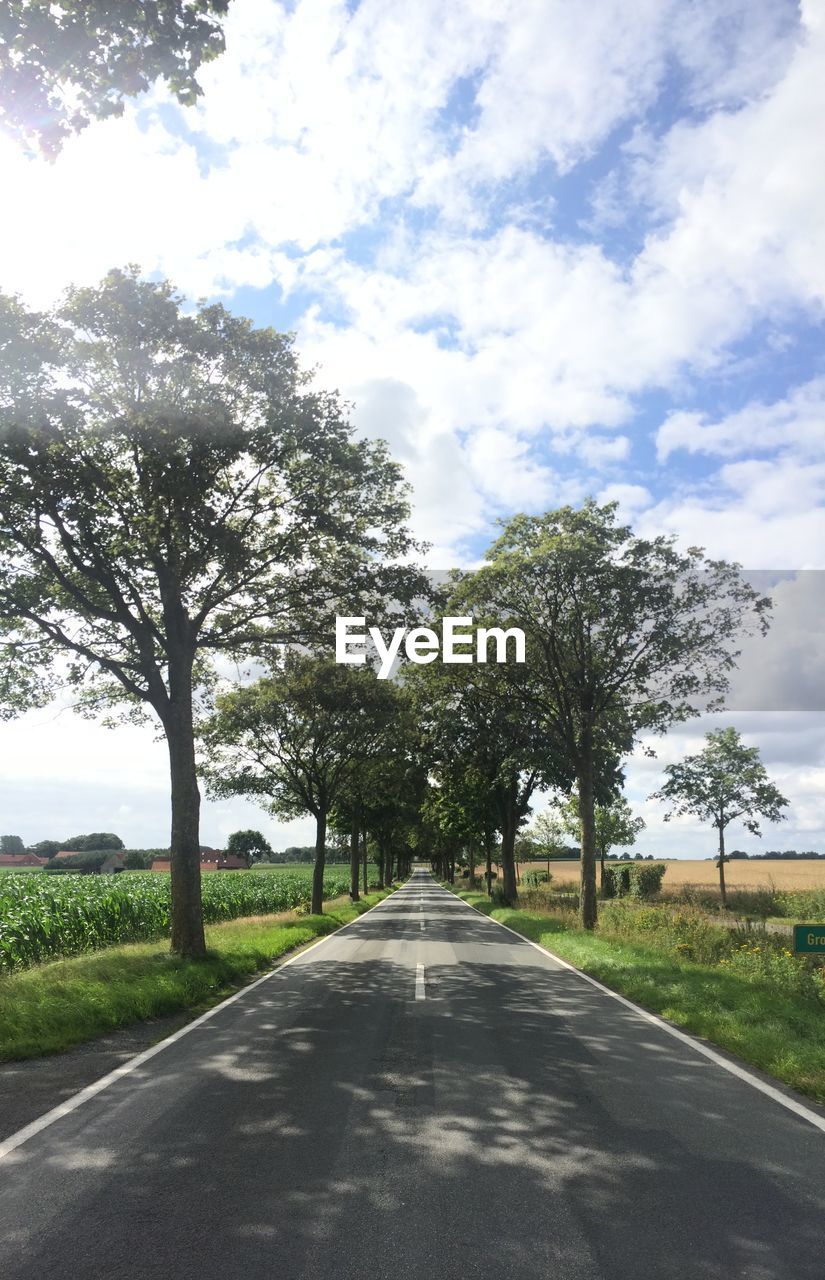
[809, 937]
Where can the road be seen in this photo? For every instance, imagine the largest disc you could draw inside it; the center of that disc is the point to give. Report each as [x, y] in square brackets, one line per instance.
[421, 1096]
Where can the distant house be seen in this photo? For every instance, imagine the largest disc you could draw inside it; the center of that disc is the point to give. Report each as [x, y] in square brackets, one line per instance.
[211, 860]
[22, 860]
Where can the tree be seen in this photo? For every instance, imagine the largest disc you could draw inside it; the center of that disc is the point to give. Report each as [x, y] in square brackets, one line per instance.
[723, 782]
[472, 720]
[47, 848]
[11, 844]
[62, 66]
[250, 845]
[391, 806]
[623, 634]
[95, 840]
[172, 490]
[293, 738]
[614, 824]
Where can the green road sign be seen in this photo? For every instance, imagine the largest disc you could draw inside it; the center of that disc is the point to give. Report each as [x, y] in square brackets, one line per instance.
[809, 937]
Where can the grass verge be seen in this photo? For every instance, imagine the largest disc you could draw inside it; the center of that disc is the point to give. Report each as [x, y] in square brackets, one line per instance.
[62, 1003]
[779, 1033]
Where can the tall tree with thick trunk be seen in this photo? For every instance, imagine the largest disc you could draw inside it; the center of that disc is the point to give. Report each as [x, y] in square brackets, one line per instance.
[172, 490]
[624, 634]
[724, 782]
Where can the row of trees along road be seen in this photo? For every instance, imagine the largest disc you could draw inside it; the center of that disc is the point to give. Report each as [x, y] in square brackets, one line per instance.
[173, 492]
[624, 635]
[321, 738]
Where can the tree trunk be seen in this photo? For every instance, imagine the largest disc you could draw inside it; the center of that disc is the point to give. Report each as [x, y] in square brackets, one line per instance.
[320, 862]
[488, 853]
[508, 845]
[722, 891]
[187, 909]
[366, 870]
[588, 909]
[471, 871]
[354, 861]
[390, 864]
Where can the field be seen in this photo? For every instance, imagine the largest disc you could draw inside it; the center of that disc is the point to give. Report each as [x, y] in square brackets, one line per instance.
[801, 873]
[43, 916]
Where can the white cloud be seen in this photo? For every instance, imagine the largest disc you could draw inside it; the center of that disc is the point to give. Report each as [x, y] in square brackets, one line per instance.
[795, 423]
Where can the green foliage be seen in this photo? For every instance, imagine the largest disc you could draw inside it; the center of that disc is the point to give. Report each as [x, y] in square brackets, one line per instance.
[294, 737]
[616, 825]
[136, 860]
[801, 904]
[43, 917]
[95, 841]
[302, 853]
[64, 65]
[723, 782]
[11, 844]
[47, 848]
[634, 879]
[249, 844]
[544, 838]
[684, 932]
[86, 860]
[764, 959]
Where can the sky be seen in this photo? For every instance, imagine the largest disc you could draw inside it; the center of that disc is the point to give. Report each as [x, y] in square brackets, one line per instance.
[547, 250]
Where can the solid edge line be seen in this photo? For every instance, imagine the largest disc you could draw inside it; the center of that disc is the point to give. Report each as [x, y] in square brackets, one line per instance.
[97, 1086]
[790, 1104]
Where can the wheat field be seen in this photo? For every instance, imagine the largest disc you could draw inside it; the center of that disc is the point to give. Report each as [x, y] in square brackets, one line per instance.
[800, 873]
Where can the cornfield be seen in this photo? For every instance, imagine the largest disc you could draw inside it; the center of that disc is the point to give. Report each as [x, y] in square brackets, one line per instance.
[42, 917]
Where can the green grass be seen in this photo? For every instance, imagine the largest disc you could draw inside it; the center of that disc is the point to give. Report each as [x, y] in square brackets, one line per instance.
[62, 1003]
[780, 1033]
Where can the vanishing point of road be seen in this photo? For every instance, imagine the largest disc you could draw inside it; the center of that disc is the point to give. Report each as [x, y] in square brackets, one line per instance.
[422, 1095]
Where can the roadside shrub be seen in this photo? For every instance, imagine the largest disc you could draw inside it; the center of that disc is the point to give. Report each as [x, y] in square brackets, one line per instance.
[759, 902]
[767, 961]
[683, 933]
[802, 904]
[632, 879]
[533, 878]
[693, 895]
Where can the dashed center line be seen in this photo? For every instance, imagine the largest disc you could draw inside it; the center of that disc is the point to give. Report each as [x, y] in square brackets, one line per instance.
[420, 989]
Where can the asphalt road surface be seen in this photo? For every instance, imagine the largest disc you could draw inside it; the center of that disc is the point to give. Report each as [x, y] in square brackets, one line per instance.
[422, 1095]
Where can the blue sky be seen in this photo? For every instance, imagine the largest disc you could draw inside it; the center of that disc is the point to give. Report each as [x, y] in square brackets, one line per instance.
[547, 249]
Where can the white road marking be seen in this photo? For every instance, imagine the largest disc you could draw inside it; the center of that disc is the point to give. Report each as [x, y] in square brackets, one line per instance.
[76, 1100]
[420, 989]
[421, 925]
[798, 1108]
